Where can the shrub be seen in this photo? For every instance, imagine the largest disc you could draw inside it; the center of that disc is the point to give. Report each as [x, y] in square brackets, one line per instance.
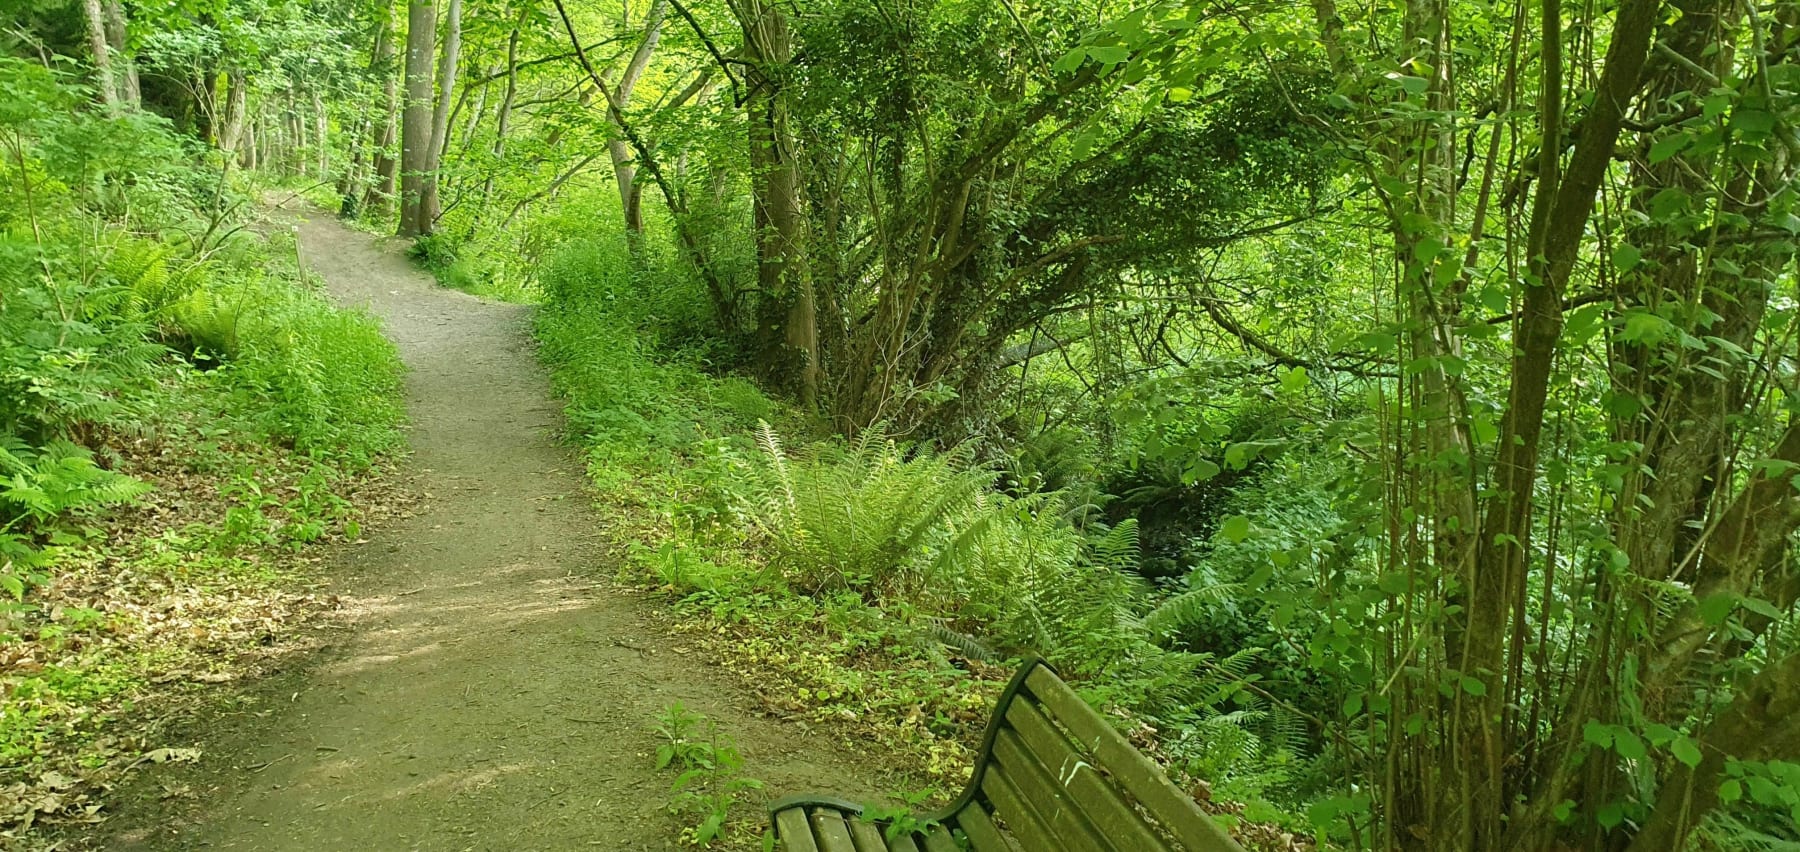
[863, 518]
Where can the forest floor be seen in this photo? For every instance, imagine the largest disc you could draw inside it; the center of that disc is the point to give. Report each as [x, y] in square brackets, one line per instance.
[494, 689]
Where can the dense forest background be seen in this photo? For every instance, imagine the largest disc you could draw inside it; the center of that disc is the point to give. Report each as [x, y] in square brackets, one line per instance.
[1388, 409]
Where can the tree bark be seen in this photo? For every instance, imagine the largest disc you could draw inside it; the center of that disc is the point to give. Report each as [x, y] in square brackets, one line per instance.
[1761, 723]
[232, 129]
[103, 70]
[321, 136]
[415, 132]
[624, 169]
[503, 122]
[118, 35]
[429, 205]
[787, 323]
[381, 190]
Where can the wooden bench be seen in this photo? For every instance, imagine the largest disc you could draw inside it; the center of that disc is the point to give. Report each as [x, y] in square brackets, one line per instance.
[1052, 775]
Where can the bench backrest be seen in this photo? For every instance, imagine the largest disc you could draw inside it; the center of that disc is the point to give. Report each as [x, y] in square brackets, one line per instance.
[1059, 777]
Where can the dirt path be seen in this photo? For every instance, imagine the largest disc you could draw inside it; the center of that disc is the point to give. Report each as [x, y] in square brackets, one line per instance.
[496, 695]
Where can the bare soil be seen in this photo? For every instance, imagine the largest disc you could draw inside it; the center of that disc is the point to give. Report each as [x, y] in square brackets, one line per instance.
[496, 690]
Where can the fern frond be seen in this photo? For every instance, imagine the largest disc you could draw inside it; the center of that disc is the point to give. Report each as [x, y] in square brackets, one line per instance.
[1188, 608]
[962, 643]
[1118, 550]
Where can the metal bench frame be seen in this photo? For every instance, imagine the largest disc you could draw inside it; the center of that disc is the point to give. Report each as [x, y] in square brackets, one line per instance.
[813, 823]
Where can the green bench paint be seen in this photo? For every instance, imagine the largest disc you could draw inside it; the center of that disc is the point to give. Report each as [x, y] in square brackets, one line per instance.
[1052, 775]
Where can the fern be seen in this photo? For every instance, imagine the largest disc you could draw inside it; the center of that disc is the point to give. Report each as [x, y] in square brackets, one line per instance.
[1188, 608]
[864, 519]
[1118, 549]
[969, 646]
[42, 485]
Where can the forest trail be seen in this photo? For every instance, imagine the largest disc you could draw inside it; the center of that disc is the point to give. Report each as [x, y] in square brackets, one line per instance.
[494, 694]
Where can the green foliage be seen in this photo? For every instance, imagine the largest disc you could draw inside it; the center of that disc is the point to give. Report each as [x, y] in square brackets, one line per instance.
[129, 294]
[866, 517]
[901, 819]
[40, 489]
[326, 379]
[710, 775]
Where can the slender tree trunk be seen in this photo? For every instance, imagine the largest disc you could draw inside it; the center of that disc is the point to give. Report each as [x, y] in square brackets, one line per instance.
[117, 35]
[252, 138]
[321, 136]
[787, 317]
[381, 192]
[1565, 203]
[429, 204]
[300, 147]
[503, 124]
[415, 123]
[232, 128]
[103, 70]
[624, 168]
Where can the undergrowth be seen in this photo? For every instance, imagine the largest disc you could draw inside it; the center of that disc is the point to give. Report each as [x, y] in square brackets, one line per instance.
[177, 403]
[878, 587]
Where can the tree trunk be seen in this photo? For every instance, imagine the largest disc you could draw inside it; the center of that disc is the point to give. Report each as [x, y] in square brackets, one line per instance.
[321, 136]
[503, 123]
[624, 171]
[380, 192]
[117, 36]
[232, 129]
[251, 139]
[787, 328]
[103, 70]
[429, 205]
[1761, 723]
[415, 132]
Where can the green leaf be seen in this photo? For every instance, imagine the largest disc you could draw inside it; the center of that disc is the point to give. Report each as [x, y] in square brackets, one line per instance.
[1235, 529]
[1715, 608]
[1752, 121]
[1324, 812]
[1686, 751]
[1626, 256]
[1563, 810]
[1473, 686]
[1760, 607]
[1669, 146]
[1293, 381]
[1199, 469]
[1110, 54]
[1611, 815]
[1412, 85]
[1731, 790]
[1629, 745]
[1645, 327]
[709, 829]
[1070, 61]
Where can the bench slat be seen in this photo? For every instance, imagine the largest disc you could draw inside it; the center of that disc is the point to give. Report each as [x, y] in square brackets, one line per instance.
[1140, 776]
[938, 839]
[903, 843]
[1113, 819]
[1021, 820]
[983, 834]
[867, 836]
[1039, 787]
[831, 832]
[796, 833]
